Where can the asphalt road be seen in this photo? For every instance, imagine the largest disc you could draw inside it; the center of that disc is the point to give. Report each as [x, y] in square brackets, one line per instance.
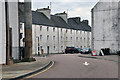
[72, 66]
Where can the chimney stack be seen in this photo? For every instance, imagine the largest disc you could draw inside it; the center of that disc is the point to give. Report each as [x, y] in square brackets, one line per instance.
[86, 21]
[45, 11]
[63, 16]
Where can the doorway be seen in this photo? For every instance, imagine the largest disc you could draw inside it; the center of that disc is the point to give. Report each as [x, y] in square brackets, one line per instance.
[47, 49]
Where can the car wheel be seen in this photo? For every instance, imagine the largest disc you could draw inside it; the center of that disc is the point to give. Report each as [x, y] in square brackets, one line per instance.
[72, 52]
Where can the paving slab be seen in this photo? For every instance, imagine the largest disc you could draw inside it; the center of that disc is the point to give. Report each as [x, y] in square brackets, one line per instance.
[23, 68]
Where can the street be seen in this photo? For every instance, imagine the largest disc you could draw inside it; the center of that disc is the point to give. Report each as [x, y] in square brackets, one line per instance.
[72, 66]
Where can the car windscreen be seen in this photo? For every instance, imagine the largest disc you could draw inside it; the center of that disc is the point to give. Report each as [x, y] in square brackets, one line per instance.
[86, 49]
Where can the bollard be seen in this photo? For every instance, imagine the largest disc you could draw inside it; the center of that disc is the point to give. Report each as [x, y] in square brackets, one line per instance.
[93, 53]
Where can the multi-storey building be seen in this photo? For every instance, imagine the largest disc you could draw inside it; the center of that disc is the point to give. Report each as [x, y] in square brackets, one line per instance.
[53, 33]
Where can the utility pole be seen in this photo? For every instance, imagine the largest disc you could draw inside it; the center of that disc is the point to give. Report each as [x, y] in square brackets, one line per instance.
[28, 31]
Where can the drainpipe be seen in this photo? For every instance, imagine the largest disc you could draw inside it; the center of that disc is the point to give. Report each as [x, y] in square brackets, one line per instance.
[58, 40]
[7, 33]
[20, 55]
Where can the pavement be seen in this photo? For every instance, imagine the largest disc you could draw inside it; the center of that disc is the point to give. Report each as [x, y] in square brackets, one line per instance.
[106, 57]
[22, 69]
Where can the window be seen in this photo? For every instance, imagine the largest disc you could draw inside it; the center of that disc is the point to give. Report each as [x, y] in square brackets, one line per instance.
[76, 31]
[61, 37]
[66, 38]
[53, 37]
[40, 37]
[53, 29]
[81, 47]
[61, 30]
[66, 31]
[71, 31]
[47, 37]
[61, 47]
[47, 28]
[40, 47]
[84, 39]
[40, 28]
[71, 38]
[77, 38]
[54, 48]
[81, 39]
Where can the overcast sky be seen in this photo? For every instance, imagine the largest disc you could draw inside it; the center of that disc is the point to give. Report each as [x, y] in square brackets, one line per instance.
[76, 8]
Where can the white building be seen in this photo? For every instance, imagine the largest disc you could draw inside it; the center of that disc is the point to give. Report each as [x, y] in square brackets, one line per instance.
[13, 24]
[2, 33]
[106, 26]
[53, 33]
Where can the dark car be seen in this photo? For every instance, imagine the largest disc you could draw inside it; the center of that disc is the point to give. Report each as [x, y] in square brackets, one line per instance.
[79, 50]
[118, 52]
[86, 51]
[71, 50]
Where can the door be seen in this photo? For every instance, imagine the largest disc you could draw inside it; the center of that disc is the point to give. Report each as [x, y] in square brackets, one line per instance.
[47, 49]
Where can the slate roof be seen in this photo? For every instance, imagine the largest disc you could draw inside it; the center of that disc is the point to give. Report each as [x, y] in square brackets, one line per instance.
[39, 18]
[79, 26]
[59, 22]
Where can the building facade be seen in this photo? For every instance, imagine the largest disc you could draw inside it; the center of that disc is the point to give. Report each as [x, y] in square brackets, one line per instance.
[106, 26]
[53, 33]
[2, 33]
[12, 15]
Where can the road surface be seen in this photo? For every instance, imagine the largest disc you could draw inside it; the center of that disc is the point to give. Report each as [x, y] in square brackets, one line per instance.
[72, 66]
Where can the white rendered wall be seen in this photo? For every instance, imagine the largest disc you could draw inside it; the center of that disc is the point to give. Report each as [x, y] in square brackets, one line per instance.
[2, 34]
[13, 18]
[105, 26]
[59, 43]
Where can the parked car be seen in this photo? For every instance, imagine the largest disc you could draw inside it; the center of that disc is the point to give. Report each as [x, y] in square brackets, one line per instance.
[79, 50]
[86, 51]
[71, 50]
[118, 52]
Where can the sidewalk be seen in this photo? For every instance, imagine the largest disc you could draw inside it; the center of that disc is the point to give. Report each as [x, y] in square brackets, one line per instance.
[24, 68]
[106, 57]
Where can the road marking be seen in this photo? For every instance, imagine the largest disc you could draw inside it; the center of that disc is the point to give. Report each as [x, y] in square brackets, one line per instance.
[86, 63]
[39, 72]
